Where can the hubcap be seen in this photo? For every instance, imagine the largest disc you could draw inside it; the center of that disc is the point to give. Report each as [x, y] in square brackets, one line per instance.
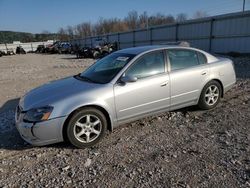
[87, 128]
[212, 95]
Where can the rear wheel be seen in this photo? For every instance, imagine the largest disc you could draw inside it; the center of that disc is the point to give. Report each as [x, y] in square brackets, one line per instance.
[86, 127]
[210, 95]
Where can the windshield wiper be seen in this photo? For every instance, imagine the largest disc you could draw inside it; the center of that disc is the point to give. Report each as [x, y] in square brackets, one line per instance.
[84, 78]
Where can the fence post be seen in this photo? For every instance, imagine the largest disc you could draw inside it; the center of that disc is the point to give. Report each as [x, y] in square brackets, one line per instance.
[151, 35]
[107, 37]
[211, 35]
[118, 36]
[91, 44]
[31, 47]
[133, 38]
[6, 47]
[176, 32]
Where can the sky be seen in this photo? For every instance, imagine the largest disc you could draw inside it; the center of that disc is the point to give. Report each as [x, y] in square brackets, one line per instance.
[36, 16]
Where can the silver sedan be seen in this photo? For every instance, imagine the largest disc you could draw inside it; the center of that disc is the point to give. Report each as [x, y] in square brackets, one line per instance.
[122, 87]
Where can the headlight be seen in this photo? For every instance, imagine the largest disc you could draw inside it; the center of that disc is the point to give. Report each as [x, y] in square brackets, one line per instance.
[38, 114]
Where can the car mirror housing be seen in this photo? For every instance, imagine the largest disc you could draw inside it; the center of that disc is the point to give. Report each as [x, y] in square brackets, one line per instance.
[127, 79]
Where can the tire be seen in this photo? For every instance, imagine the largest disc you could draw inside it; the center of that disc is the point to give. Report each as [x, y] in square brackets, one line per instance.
[96, 55]
[86, 127]
[210, 95]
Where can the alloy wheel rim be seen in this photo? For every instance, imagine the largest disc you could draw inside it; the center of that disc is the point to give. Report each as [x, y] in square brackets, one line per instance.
[87, 128]
[212, 95]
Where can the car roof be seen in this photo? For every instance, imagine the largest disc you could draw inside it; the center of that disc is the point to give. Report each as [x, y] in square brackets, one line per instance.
[141, 49]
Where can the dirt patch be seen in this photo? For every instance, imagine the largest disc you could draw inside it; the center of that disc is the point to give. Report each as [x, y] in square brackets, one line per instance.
[185, 148]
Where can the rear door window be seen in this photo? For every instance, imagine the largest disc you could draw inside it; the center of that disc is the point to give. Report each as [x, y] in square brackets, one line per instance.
[182, 58]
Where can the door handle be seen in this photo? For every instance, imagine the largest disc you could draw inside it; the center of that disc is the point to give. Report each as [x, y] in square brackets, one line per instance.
[203, 72]
[164, 84]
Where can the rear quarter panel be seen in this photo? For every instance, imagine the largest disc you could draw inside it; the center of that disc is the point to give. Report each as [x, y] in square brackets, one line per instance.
[223, 70]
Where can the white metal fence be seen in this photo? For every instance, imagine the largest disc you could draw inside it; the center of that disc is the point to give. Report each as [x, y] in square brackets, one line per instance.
[218, 34]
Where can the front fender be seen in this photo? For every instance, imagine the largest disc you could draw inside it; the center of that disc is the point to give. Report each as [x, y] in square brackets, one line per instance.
[68, 105]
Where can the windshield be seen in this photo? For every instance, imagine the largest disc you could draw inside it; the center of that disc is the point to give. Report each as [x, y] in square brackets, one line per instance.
[104, 70]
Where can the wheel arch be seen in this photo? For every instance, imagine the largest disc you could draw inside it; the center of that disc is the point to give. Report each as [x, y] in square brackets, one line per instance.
[103, 110]
[221, 84]
[213, 79]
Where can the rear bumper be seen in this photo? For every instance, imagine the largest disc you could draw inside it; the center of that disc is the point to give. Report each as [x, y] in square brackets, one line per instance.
[42, 133]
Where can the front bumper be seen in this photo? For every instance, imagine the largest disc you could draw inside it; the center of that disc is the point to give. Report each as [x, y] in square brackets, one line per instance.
[42, 133]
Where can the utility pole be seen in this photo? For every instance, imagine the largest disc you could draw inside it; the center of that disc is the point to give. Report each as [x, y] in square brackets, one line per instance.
[243, 8]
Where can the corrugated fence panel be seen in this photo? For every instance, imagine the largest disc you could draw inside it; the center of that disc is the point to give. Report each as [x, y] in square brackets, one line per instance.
[142, 35]
[234, 26]
[81, 42]
[159, 42]
[126, 45]
[126, 37]
[237, 44]
[219, 34]
[113, 38]
[88, 42]
[140, 43]
[202, 44]
[193, 30]
[164, 33]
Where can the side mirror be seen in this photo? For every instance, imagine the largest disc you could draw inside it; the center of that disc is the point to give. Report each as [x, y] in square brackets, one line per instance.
[126, 79]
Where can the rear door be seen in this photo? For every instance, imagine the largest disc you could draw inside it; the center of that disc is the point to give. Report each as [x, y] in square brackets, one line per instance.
[149, 93]
[188, 73]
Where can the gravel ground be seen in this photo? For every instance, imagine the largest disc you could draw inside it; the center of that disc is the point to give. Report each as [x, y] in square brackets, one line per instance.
[185, 148]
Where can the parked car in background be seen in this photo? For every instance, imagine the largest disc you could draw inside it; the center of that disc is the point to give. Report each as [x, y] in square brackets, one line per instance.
[124, 86]
[64, 48]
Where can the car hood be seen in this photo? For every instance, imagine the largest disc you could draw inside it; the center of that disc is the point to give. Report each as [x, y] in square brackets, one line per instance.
[55, 91]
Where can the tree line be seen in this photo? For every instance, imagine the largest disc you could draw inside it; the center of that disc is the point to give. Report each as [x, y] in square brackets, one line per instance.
[113, 25]
[103, 26]
[10, 36]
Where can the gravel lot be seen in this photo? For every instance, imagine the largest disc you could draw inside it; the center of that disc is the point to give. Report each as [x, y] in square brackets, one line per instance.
[185, 148]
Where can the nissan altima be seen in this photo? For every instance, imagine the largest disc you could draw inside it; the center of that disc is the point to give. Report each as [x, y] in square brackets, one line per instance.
[124, 86]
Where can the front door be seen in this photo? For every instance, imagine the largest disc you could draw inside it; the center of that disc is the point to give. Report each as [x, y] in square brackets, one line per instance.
[149, 93]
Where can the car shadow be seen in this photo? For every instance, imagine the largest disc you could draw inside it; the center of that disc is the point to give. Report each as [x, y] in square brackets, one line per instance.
[188, 109]
[9, 105]
[11, 140]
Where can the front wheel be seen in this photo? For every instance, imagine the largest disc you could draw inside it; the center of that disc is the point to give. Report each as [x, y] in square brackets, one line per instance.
[86, 127]
[210, 95]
